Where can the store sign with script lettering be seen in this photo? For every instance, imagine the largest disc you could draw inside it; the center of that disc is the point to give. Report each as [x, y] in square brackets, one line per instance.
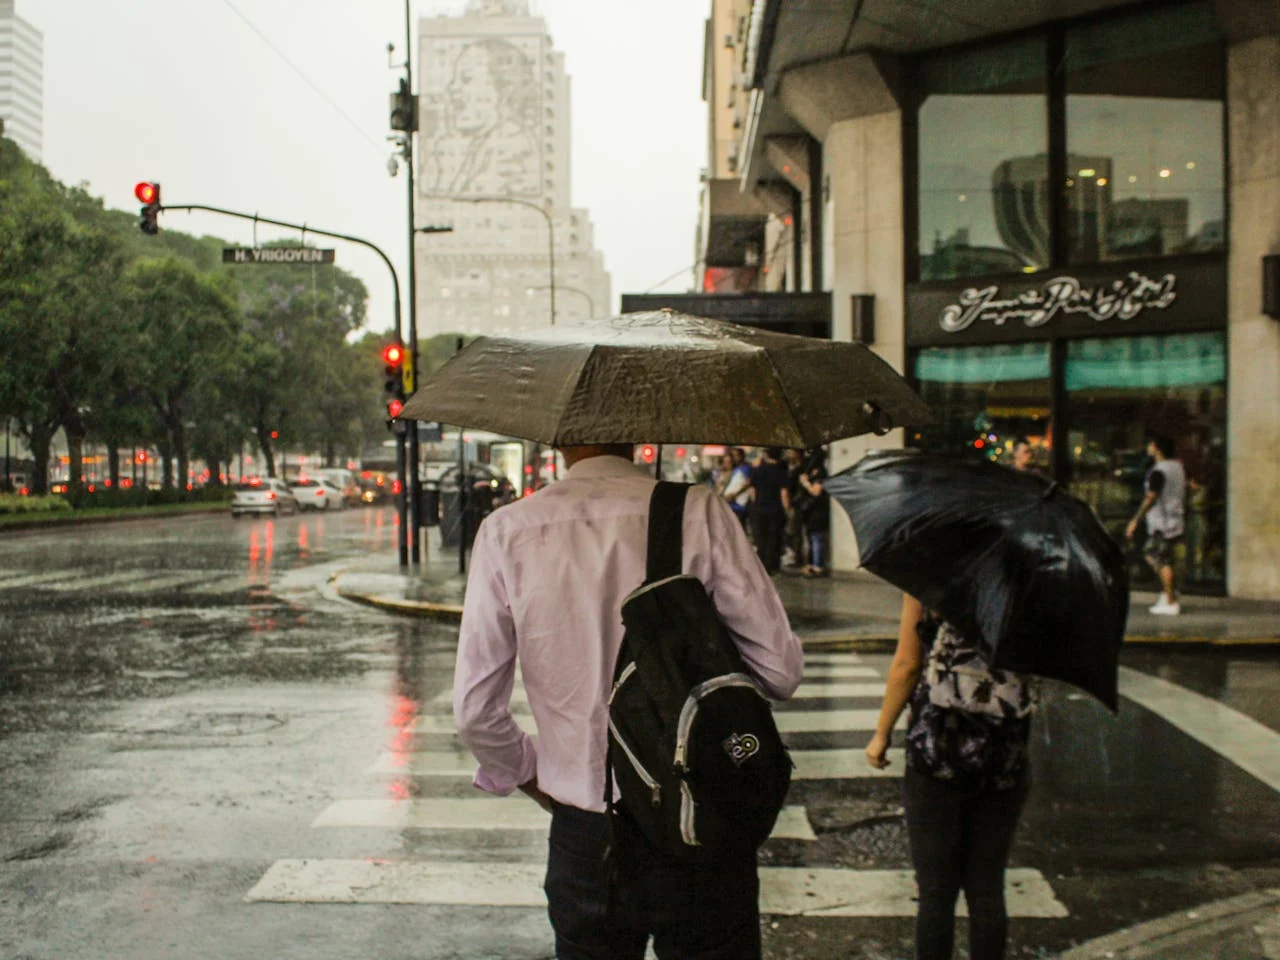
[1121, 299]
[1156, 296]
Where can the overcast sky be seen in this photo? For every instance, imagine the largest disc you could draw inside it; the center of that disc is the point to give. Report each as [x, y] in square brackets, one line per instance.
[184, 92]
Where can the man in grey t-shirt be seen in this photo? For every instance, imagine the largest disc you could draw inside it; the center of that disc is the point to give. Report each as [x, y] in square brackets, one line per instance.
[1164, 507]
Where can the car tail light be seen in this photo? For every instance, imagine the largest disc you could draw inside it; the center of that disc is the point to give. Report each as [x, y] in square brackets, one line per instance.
[395, 487]
[271, 494]
[319, 493]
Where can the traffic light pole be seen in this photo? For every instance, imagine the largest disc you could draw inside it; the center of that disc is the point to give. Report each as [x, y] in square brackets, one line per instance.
[415, 487]
[402, 504]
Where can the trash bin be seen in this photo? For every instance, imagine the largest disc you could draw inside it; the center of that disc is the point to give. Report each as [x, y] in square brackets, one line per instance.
[429, 504]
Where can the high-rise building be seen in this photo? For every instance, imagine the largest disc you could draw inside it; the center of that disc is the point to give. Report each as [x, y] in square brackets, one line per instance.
[21, 81]
[493, 163]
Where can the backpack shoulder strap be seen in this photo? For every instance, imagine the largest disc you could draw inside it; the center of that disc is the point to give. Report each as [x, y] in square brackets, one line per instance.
[665, 554]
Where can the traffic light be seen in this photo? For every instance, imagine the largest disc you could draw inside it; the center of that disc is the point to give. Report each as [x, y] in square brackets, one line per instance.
[393, 357]
[647, 453]
[148, 195]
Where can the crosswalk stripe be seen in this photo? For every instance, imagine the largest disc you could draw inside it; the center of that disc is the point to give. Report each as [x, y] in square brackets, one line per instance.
[230, 584]
[806, 691]
[789, 721]
[837, 764]
[784, 891]
[94, 583]
[842, 765]
[39, 579]
[829, 671]
[835, 657]
[164, 583]
[486, 813]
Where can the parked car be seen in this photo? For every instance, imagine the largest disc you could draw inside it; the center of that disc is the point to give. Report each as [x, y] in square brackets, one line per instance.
[344, 481]
[316, 493]
[265, 495]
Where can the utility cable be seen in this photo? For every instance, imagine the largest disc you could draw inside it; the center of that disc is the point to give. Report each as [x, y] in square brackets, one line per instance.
[309, 82]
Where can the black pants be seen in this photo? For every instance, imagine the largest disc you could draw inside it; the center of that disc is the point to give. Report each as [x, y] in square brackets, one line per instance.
[960, 835]
[768, 527]
[692, 913]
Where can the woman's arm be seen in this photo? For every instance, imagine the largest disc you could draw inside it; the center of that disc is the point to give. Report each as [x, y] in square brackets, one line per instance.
[908, 661]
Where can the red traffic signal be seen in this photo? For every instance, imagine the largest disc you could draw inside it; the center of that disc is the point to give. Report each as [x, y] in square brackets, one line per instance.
[393, 354]
[647, 453]
[147, 192]
[394, 406]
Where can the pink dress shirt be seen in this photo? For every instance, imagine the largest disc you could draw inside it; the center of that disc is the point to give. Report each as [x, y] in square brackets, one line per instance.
[548, 577]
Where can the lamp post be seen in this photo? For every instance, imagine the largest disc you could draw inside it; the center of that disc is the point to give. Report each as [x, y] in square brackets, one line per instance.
[591, 301]
[551, 237]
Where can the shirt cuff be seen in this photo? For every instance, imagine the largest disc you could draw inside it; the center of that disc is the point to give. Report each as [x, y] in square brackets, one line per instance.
[501, 778]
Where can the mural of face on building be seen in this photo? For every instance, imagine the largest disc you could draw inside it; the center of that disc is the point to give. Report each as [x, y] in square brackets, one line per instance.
[480, 131]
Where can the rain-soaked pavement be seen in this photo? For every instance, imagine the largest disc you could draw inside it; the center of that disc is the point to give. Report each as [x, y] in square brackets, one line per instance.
[204, 752]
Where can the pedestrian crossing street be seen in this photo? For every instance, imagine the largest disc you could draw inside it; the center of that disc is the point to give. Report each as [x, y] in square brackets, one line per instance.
[420, 787]
[201, 583]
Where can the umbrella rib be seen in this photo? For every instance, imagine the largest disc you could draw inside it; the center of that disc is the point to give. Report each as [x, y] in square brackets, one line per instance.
[782, 389]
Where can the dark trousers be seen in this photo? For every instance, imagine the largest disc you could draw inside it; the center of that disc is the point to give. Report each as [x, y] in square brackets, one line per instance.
[960, 838]
[768, 527]
[692, 913]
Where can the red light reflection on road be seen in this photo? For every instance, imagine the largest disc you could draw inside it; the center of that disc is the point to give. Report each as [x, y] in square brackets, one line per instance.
[403, 720]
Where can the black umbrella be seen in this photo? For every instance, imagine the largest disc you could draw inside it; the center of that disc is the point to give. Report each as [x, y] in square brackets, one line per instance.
[1014, 561]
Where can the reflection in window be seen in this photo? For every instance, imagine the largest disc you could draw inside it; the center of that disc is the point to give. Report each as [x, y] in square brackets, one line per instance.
[1145, 135]
[983, 162]
[1124, 390]
[985, 399]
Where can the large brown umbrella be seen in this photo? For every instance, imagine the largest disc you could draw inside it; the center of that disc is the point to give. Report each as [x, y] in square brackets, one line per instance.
[667, 377]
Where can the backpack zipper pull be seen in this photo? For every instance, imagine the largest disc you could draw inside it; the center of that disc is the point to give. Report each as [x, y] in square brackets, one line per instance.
[656, 795]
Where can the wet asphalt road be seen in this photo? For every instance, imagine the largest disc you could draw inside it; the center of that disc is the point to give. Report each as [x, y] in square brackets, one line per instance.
[184, 709]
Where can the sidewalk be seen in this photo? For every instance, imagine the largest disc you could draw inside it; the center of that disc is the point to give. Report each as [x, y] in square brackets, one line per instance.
[1241, 928]
[855, 609]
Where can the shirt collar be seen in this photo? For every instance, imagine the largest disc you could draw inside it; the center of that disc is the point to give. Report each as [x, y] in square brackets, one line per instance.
[594, 467]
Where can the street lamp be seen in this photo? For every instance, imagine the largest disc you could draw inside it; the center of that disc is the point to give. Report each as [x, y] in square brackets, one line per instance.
[551, 237]
[591, 301]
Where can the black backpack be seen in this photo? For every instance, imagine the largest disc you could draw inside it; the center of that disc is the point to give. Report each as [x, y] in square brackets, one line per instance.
[699, 764]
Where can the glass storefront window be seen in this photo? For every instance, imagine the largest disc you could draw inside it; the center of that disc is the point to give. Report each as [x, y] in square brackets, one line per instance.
[1122, 391]
[985, 399]
[1144, 115]
[984, 162]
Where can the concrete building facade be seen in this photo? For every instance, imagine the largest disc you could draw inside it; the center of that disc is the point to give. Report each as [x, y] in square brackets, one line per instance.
[21, 81]
[1060, 211]
[493, 153]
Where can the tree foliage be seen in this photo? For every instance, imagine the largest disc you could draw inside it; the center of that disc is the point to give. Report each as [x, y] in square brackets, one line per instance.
[138, 341]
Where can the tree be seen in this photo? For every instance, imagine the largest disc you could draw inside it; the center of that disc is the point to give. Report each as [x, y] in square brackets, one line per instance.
[185, 322]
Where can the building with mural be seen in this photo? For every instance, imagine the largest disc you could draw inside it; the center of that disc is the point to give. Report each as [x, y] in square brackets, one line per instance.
[494, 164]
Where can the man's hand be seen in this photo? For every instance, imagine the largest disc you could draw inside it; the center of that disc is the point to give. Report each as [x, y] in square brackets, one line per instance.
[876, 750]
[531, 790]
[1131, 530]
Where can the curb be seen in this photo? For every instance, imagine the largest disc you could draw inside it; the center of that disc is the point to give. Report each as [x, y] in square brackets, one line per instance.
[1154, 939]
[859, 643]
[53, 523]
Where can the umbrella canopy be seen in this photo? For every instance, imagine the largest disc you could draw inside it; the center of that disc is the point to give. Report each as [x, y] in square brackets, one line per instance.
[1011, 559]
[667, 377]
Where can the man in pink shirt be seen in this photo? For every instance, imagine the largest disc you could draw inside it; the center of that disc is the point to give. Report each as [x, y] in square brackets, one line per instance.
[548, 577]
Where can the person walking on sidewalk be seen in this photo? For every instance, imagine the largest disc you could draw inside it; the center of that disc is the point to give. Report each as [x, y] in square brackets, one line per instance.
[966, 778]
[769, 508]
[1164, 508]
[738, 491]
[548, 577]
[817, 516]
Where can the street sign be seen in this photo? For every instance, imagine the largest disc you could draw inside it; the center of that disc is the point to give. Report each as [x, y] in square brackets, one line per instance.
[308, 255]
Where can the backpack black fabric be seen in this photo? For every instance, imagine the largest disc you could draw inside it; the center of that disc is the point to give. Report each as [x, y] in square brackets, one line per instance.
[700, 767]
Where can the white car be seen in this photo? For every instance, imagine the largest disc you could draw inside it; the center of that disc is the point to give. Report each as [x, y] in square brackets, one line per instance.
[265, 495]
[315, 493]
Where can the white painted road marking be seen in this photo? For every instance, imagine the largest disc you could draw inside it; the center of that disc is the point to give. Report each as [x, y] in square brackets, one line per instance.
[40, 579]
[106, 579]
[871, 689]
[789, 721]
[487, 813]
[836, 764]
[834, 671]
[784, 891]
[813, 657]
[1250, 745]
[166, 582]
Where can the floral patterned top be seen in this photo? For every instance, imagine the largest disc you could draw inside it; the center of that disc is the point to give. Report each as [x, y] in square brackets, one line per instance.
[967, 721]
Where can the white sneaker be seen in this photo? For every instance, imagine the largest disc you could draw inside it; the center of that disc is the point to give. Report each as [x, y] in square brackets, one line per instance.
[1166, 609]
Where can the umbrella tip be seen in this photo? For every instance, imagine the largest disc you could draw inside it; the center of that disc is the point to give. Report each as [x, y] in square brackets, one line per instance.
[1050, 490]
[881, 424]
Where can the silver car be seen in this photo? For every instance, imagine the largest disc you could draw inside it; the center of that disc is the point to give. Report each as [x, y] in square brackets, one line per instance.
[266, 495]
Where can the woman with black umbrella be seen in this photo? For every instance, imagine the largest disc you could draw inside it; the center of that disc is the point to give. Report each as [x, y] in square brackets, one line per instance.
[966, 780]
